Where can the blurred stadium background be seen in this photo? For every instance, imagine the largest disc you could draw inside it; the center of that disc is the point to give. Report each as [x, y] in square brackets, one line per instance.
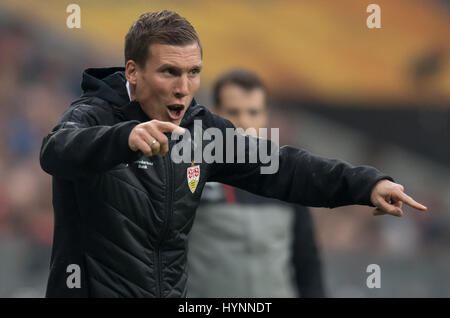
[368, 96]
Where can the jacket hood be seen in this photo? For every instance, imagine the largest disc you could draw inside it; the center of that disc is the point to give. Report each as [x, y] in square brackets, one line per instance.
[110, 84]
[106, 83]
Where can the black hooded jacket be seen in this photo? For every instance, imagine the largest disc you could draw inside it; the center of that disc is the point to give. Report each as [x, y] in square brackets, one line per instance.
[121, 219]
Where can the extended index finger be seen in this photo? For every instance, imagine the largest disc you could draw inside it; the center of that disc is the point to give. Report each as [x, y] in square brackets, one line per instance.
[165, 126]
[411, 202]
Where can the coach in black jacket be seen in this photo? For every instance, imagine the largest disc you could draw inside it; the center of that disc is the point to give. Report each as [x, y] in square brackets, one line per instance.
[123, 208]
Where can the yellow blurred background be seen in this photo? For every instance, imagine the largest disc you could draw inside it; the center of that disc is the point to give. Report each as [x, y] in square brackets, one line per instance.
[320, 48]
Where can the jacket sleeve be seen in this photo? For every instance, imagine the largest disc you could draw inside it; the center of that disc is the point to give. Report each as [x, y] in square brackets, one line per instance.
[81, 144]
[301, 177]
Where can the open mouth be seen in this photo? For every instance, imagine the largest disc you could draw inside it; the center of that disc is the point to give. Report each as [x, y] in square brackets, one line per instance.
[175, 111]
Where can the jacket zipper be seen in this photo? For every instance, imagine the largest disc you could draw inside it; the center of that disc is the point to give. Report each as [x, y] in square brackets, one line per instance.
[169, 194]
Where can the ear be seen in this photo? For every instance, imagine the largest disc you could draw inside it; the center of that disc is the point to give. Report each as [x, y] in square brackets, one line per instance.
[130, 71]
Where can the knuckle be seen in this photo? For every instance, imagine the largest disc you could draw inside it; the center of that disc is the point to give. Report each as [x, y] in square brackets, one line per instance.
[146, 125]
[141, 131]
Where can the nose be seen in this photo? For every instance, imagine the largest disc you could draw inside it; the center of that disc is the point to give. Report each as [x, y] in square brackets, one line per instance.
[182, 86]
[245, 121]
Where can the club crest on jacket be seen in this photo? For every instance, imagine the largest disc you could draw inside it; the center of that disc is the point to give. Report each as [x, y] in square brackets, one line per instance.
[193, 177]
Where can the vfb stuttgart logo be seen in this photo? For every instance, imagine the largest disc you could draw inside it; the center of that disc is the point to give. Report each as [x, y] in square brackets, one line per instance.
[193, 176]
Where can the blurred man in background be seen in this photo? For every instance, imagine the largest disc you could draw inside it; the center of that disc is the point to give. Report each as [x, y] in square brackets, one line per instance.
[244, 245]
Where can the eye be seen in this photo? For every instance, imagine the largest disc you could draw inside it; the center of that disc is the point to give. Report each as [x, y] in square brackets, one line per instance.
[233, 112]
[253, 112]
[170, 71]
[195, 71]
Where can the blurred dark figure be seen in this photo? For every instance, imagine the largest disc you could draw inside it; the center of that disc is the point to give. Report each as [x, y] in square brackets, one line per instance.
[241, 244]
